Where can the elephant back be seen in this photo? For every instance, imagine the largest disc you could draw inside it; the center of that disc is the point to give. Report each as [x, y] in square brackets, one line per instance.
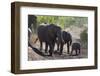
[53, 30]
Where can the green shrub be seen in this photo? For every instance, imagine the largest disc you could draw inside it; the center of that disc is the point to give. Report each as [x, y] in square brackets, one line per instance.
[84, 38]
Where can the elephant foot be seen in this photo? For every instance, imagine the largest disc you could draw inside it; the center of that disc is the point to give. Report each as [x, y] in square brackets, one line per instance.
[73, 55]
[56, 52]
[77, 54]
[60, 53]
[70, 54]
[46, 54]
[46, 51]
[49, 54]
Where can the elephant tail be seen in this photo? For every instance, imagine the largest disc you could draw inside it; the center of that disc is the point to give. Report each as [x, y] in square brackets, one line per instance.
[36, 40]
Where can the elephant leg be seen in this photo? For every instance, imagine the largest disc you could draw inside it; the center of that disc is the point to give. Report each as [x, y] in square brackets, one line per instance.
[71, 52]
[40, 45]
[79, 51]
[53, 45]
[46, 47]
[68, 47]
[51, 50]
[76, 52]
[57, 47]
[61, 49]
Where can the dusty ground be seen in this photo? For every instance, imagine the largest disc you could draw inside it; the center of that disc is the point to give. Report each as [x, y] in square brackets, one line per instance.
[34, 56]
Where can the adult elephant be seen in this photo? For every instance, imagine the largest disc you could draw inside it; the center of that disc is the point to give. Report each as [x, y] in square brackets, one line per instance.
[48, 34]
[67, 39]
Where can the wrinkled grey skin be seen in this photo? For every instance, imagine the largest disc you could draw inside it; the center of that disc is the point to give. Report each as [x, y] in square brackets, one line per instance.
[48, 35]
[76, 47]
[67, 40]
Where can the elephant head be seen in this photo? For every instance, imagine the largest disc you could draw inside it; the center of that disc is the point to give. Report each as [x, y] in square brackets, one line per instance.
[60, 37]
[59, 34]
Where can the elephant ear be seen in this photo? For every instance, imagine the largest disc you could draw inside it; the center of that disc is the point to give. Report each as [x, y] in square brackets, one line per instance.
[60, 36]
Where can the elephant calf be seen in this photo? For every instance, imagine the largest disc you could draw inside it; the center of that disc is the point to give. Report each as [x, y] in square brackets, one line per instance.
[76, 47]
[67, 38]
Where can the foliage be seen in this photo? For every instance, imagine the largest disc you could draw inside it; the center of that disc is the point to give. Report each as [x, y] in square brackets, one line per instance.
[84, 38]
[63, 21]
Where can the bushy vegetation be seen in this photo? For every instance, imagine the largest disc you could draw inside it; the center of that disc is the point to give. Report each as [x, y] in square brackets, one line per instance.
[63, 21]
[84, 38]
